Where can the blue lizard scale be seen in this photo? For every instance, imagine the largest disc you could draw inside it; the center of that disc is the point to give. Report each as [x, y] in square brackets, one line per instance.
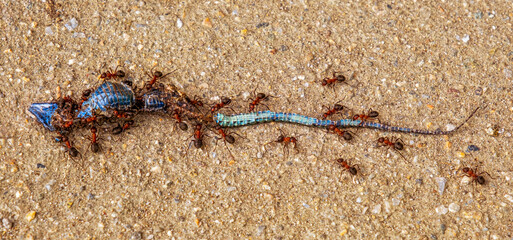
[109, 95]
[269, 116]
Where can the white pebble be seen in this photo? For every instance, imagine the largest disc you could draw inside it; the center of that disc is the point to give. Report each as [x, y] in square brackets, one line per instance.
[441, 210]
[359, 200]
[140, 47]
[48, 31]
[441, 184]
[6, 223]
[450, 127]
[71, 61]
[396, 202]
[509, 197]
[179, 23]
[465, 38]
[454, 207]
[229, 189]
[72, 24]
[376, 209]
[465, 180]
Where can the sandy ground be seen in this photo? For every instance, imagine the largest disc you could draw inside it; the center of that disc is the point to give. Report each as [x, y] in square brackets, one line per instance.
[423, 65]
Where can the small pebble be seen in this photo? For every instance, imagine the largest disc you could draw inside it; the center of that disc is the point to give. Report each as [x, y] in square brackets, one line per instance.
[454, 207]
[48, 31]
[72, 24]
[30, 216]
[441, 210]
[419, 181]
[450, 127]
[6, 223]
[39, 165]
[479, 91]
[472, 148]
[260, 230]
[376, 209]
[359, 200]
[207, 23]
[441, 184]
[136, 236]
[264, 24]
[179, 23]
[90, 196]
[509, 197]
[443, 228]
[465, 38]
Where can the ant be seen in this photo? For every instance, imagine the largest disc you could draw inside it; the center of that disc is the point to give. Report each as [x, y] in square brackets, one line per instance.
[176, 115]
[154, 76]
[369, 116]
[344, 134]
[112, 74]
[476, 177]
[224, 101]
[119, 129]
[352, 170]
[198, 138]
[95, 147]
[120, 114]
[286, 141]
[85, 96]
[336, 78]
[195, 101]
[226, 138]
[336, 109]
[73, 152]
[259, 98]
[393, 143]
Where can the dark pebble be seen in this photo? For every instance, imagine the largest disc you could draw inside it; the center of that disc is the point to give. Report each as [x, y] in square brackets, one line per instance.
[479, 91]
[90, 196]
[419, 181]
[39, 165]
[472, 148]
[284, 48]
[433, 236]
[443, 228]
[264, 24]
[136, 236]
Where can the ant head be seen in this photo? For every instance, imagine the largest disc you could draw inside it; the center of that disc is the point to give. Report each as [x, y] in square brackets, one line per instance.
[338, 107]
[281, 138]
[183, 126]
[332, 127]
[347, 136]
[198, 143]
[198, 126]
[260, 95]
[353, 171]
[93, 129]
[373, 114]
[481, 180]
[130, 122]
[73, 152]
[120, 73]
[225, 100]
[87, 92]
[293, 139]
[340, 160]
[230, 139]
[381, 139]
[324, 82]
[104, 75]
[398, 146]
[355, 117]
[341, 78]
[157, 74]
[465, 169]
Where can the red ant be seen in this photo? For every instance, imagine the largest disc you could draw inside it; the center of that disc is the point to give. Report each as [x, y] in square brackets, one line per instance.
[181, 125]
[195, 101]
[393, 143]
[198, 137]
[226, 137]
[259, 98]
[119, 129]
[369, 116]
[95, 147]
[344, 134]
[112, 74]
[224, 101]
[120, 114]
[336, 78]
[154, 76]
[286, 141]
[336, 109]
[73, 152]
[85, 96]
[476, 177]
[352, 170]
